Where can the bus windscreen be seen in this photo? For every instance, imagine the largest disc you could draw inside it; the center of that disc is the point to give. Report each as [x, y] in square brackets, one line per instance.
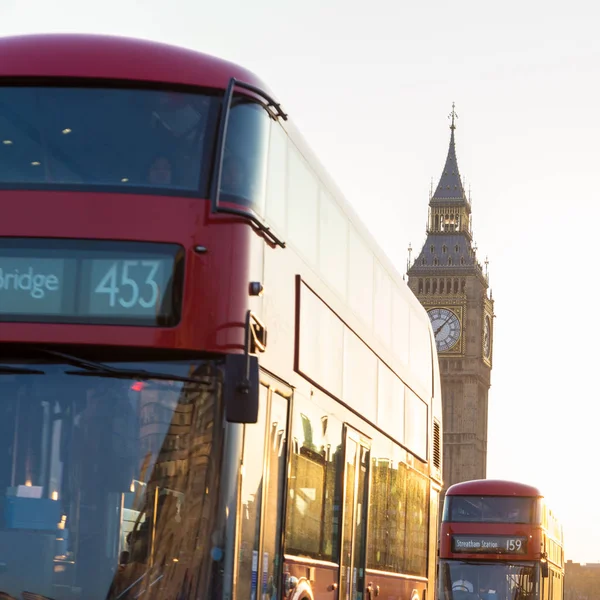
[80, 137]
[489, 509]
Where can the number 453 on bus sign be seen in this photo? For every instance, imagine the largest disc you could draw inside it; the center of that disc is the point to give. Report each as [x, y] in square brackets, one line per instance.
[129, 285]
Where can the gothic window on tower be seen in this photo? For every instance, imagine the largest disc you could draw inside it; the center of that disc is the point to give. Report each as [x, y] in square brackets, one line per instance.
[444, 249]
[420, 286]
[449, 260]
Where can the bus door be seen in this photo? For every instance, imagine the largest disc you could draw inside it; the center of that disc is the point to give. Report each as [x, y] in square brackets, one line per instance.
[261, 509]
[354, 515]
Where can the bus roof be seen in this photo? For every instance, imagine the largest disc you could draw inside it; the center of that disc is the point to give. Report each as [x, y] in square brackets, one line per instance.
[493, 487]
[101, 57]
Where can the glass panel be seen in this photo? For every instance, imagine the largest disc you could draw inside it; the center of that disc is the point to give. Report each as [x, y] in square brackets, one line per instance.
[253, 461]
[243, 178]
[360, 278]
[417, 509]
[312, 524]
[399, 512]
[321, 343]
[499, 509]
[272, 557]
[383, 305]
[390, 402]
[397, 519]
[420, 350]
[108, 483]
[303, 206]
[400, 324]
[415, 424]
[381, 468]
[277, 179]
[360, 376]
[346, 562]
[487, 581]
[333, 244]
[122, 138]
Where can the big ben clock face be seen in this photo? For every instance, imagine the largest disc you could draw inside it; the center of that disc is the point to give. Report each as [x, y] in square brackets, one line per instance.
[487, 336]
[446, 328]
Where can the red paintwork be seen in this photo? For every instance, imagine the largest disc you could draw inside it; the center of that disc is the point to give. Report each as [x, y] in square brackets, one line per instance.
[322, 579]
[215, 298]
[216, 283]
[492, 487]
[111, 57]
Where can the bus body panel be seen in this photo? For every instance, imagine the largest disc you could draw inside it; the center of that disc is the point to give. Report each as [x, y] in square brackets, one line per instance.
[207, 321]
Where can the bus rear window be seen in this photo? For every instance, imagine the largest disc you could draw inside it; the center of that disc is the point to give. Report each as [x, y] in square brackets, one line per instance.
[135, 140]
[489, 509]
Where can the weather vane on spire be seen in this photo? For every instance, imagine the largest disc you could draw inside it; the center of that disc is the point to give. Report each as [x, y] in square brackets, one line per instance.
[453, 116]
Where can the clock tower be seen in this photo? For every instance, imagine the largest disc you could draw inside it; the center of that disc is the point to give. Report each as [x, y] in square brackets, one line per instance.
[453, 287]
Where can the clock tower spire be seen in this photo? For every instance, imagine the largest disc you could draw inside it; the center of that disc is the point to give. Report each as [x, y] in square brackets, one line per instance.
[449, 281]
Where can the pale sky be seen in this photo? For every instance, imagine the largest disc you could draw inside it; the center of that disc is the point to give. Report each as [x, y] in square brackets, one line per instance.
[370, 85]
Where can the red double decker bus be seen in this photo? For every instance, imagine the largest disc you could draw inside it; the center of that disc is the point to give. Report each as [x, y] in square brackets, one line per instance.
[214, 384]
[499, 541]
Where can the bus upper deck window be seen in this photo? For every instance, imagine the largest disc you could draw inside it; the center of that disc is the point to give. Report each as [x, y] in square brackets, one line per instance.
[113, 139]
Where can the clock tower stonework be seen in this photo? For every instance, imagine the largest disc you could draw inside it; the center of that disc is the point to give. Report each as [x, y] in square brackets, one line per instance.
[452, 285]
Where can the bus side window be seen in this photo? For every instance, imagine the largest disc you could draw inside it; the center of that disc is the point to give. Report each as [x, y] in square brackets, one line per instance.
[277, 176]
[244, 168]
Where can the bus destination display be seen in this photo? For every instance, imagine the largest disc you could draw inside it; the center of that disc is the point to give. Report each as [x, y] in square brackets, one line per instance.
[87, 281]
[489, 544]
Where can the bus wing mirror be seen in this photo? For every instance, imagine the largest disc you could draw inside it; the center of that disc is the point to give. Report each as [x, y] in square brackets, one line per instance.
[241, 388]
[544, 568]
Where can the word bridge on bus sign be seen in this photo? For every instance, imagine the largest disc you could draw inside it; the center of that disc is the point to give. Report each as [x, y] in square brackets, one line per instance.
[489, 544]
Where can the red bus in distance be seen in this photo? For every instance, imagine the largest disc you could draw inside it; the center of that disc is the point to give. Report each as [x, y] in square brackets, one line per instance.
[215, 384]
[499, 541]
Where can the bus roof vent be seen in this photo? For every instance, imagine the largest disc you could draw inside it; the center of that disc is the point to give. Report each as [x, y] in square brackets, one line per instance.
[437, 445]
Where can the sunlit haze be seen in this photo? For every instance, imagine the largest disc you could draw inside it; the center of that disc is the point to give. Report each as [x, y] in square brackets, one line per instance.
[370, 85]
